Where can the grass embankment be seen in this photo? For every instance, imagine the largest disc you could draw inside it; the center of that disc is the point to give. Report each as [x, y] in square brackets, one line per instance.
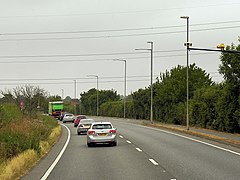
[196, 133]
[23, 141]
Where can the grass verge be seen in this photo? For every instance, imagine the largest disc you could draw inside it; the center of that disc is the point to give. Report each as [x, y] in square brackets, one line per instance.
[198, 134]
[20, 165]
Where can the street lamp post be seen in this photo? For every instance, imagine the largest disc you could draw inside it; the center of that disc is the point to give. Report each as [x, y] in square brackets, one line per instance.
[62, 93]
[125, 85]
[75, 89]
[97, 88]
[187, 44]
[151, 106]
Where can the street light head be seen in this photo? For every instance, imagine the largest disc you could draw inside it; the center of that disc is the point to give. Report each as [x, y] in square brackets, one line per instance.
[188, 44]
[221, 46]
[184, 17]
[92, 76]
[119, 60]
[150, 42]
[144, 49]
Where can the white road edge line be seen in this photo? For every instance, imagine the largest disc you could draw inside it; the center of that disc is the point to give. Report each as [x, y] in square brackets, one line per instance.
[154, 162]
[45, 176]
[192, 139]
[129, 142]
[138, 149]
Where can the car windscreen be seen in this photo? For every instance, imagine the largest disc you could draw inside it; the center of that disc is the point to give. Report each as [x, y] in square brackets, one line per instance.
[102, 126]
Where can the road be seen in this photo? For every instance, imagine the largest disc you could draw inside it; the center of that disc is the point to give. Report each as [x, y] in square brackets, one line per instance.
[141, 153]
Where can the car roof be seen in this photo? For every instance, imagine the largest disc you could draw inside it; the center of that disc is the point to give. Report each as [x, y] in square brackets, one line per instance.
[100, 122]
[86, 120]
[68, 114]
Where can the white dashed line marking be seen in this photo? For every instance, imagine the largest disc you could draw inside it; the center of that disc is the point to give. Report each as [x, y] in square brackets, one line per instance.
[154, 162]
[129, 142]
[138, 149]
[121, 136]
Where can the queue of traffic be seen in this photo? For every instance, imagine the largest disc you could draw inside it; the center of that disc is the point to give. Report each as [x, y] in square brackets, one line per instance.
[98, 132]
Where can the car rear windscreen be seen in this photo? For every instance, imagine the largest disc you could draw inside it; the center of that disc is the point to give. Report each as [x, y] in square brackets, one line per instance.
[102, 126]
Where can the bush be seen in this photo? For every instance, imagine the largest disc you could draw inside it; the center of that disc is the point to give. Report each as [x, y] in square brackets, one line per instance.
[19, 136]
[9, 113]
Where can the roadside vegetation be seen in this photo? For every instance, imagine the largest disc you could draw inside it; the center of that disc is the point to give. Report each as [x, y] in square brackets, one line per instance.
[211, 105]
[23, 139]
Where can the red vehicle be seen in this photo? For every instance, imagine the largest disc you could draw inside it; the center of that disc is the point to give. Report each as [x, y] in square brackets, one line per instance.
[78, 119]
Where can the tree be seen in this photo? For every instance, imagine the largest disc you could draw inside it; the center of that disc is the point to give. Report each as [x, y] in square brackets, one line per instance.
[171, 92]
[204, 106]
[89, 99]
[7, 97]
[141, 103]
[30, 98]
[230, 68]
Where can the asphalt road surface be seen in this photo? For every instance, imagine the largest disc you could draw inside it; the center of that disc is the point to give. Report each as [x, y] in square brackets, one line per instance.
[141, 153]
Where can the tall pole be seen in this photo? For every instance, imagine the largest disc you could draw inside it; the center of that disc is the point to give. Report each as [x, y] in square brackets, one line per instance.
[187, 49]
[125, 85]
[75, 96]
[151, 98]
[97, 95]
[62, 93]
[75, 88]
[97, 90]
[125, 88]
[151, 50]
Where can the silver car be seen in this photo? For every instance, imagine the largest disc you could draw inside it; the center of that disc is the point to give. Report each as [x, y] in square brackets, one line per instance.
[68, 118]
[84, 125]
[102, 132]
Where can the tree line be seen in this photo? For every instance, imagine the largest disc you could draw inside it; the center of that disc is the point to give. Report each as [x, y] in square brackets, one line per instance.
[211, 105]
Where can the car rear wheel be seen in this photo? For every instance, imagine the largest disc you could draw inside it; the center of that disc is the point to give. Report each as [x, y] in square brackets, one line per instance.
[114, 143]
[90, 144]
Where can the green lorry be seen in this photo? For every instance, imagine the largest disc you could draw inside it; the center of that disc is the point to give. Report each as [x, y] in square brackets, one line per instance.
[55, 109]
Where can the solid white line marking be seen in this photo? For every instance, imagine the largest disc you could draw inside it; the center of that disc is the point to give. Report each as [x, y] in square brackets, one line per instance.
[121, 136]
[58, 157]
[129, 142]
[192, 139]
[154, 162]
[138, 149]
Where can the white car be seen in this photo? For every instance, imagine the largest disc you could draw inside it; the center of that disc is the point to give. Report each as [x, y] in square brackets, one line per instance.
[68, 118]
[102, 132]
[84, 125]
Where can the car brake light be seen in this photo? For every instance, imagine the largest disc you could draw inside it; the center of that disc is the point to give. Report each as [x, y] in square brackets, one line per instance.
[91, 132]
[113, 131]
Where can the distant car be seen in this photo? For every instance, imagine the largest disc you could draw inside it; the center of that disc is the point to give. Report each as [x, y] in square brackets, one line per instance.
[68, 118]
[84, 125]
[78, 119]
[101, 132]
[62, 115]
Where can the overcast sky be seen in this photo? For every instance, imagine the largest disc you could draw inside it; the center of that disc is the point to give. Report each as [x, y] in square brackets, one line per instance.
[51, 43]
